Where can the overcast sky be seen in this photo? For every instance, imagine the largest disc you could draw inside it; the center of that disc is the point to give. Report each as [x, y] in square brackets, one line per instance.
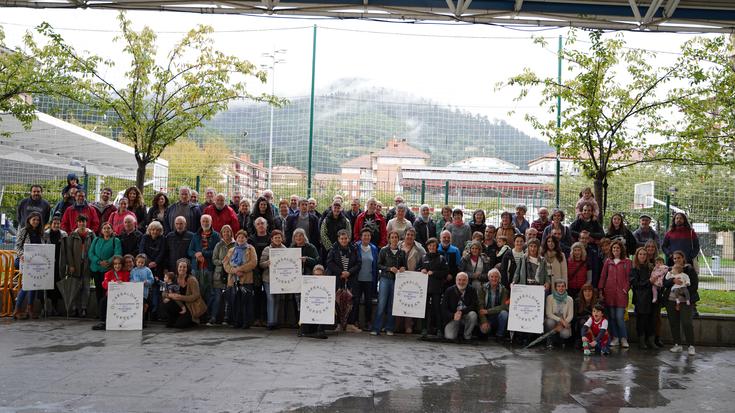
[457, 65]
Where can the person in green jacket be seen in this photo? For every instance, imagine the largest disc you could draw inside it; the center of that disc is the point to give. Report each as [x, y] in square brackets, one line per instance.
[494, 300]
[100, 255]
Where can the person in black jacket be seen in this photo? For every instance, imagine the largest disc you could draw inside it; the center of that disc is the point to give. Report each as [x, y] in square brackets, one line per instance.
[391, 260]
[177, 244]
[586, 222]
[460, 308]
[425, 226]
[153, 245]
[306, 221]
[130, 237]
[343, 262]
[34, 203]
[640, 283]
[435, 267]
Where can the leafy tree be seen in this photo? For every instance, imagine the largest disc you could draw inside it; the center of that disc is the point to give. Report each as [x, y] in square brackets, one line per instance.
[616, 105]
[160, 103]
[708, 64]
[38, 69]
[187, 160]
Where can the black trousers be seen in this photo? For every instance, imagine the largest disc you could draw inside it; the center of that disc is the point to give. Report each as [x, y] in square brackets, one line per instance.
[176, 320]
[433, 312]
[645, 325]
[361, 289]
[679, 320]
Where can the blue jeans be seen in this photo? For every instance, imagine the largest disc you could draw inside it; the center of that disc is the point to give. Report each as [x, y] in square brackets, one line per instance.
[213, 303]
[498, 322]
[385, 305]
[22, 294]
[271, 301]
[616, 320]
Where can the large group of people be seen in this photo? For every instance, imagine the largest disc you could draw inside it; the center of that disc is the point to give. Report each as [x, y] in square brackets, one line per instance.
[208, 263]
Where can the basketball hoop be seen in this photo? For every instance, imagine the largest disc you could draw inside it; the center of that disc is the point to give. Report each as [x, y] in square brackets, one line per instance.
[643, 195]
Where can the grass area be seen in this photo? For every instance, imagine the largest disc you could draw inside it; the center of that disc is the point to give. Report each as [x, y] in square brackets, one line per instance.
[716, 302]
[710, 301]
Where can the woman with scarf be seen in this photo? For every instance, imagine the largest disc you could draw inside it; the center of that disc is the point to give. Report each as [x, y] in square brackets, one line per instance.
[414, 256]
[31, 233]
[343, 262]
[425, 226]
[57, 237]
[264, 264]
[137, 206]
[239, 264]
[436, 268]
[559, 312]
[476, 265]
[532, 269]
[219, 278]
[506, 227]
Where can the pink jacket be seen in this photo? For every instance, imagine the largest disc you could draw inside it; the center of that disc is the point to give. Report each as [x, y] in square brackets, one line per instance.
[615, 282]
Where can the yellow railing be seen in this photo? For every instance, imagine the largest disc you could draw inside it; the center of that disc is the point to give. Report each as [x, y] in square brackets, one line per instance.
[10, 282]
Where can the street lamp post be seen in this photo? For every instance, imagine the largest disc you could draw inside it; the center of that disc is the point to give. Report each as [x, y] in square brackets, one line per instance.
[272, 67]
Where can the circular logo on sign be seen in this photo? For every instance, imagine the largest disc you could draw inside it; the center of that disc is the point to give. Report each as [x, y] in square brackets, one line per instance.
[36, 268]
[288, 272]
[317, 298]
[124, 306]
[528, 308]
[409, 294]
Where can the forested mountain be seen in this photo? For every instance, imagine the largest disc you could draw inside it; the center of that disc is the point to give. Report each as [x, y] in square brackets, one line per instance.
[349, 123]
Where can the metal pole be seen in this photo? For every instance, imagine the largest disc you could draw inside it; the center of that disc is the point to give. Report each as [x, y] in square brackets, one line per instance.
[198, 182]
[558, 126]
[423, 191]
[668, 213]
[270, 138]
[311, 116]
[86, 181]
[446, 192]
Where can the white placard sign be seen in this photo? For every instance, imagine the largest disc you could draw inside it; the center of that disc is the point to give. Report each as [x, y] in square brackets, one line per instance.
[409, 294]
[38, 266]
[526, 312]
[124, 306]
[317, 299]
[285, 270]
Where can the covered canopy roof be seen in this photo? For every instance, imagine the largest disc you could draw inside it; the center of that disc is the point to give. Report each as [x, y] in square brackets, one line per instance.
[52, 148]
[655, 15]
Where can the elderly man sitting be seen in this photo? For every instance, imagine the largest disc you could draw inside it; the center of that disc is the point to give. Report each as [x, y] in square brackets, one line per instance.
[460, 308]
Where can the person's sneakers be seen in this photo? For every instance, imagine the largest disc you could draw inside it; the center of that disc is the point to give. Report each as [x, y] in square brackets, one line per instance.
[614, 342]
[587, 352]
[210, 323]
[642, 344]
[338, 328]
[373, 333]
[83, 313]
[605, 352]
[351, 328]
[676, 349]
[624, 343]
[99, 326]
[409, 331]
[389, 333]
[424, 333]
[691, 351]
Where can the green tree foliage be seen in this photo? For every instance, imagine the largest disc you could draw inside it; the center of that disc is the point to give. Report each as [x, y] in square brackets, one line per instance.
[615, 105]
[160, 103]
[708, 126]
[187, 160]
[33, 69]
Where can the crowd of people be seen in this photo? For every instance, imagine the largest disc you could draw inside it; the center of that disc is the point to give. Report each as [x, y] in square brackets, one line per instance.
[208, 263]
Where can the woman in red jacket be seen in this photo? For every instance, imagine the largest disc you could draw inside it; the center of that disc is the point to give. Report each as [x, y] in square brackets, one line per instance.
[614, 286]
[117, 275]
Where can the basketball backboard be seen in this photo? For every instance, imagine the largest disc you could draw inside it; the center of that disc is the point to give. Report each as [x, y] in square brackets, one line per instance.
[643, 195]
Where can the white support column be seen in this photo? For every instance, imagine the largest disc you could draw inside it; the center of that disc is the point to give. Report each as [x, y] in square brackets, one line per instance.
[655, 4]
[517, 6]
[636, 12]
[670, 8]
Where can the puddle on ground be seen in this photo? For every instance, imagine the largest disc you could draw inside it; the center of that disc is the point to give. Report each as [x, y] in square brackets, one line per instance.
[59, 348]
[528, 382]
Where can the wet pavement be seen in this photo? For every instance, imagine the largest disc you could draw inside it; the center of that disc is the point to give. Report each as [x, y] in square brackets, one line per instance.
[64, 366]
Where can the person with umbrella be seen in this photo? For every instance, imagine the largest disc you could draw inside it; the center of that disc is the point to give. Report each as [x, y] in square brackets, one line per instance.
[56, 237]
[78, 270]
[343, 262]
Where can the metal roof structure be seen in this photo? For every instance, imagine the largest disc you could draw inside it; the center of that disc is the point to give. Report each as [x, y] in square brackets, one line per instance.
[641, 15]
[53, 147]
